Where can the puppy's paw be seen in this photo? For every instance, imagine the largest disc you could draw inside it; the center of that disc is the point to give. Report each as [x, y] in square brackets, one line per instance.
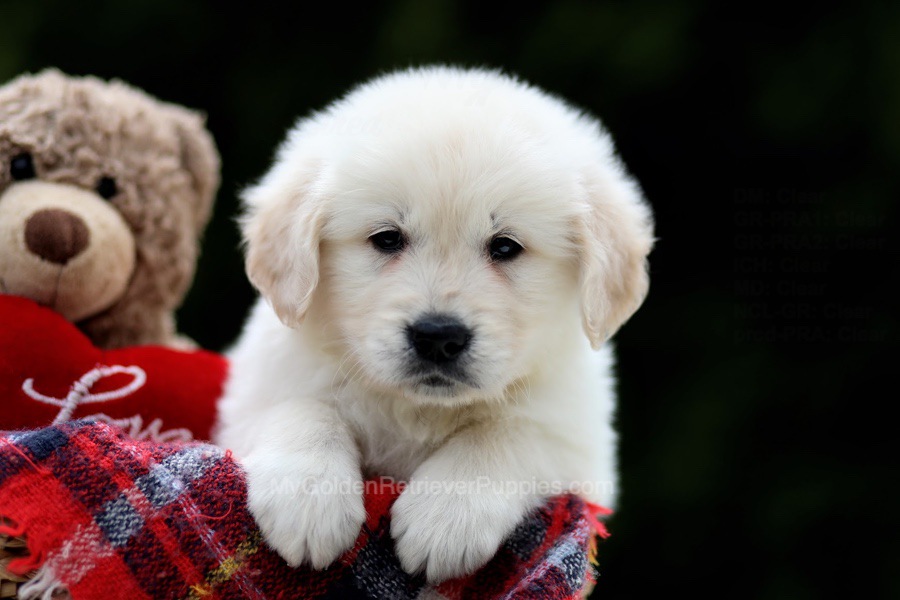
[310, 519]
[448, 534]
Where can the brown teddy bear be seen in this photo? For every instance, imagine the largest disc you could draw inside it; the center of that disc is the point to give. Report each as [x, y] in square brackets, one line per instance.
[104, 193]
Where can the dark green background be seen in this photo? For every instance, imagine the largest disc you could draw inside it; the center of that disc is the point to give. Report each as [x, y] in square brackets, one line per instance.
[757, 447]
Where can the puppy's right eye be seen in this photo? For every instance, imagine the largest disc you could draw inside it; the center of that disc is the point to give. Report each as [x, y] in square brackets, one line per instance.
[21, 167]
[388, 241]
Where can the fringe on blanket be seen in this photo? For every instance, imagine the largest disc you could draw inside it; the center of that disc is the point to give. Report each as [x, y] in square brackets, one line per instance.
[43, 586]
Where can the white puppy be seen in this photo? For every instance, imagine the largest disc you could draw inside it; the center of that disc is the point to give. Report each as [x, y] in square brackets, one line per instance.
[432, 250]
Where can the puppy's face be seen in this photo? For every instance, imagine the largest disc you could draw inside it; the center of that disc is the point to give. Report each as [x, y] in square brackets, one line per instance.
[448, 262]
[447, 265]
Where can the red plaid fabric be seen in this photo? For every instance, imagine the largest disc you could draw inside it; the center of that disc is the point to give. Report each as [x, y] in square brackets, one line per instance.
[110, 517]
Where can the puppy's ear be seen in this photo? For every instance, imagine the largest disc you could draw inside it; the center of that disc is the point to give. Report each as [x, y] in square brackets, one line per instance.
[615, 236]
[282, 228]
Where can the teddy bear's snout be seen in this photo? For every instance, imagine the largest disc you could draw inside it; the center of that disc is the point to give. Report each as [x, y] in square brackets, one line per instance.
[56, 235]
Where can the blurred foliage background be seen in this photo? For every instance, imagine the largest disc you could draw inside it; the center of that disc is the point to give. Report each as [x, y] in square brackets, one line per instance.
[757, 447]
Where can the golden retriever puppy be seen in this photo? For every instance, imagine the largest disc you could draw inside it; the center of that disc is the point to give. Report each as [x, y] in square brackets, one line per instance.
[442, 255]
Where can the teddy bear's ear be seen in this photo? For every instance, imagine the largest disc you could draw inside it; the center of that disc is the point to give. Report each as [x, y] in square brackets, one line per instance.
[201, 159]
[615, 235]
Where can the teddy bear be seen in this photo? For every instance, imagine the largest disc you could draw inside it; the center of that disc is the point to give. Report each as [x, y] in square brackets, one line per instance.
[104, 194]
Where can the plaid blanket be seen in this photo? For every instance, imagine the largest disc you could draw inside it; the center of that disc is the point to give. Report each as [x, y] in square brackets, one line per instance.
[106, 516]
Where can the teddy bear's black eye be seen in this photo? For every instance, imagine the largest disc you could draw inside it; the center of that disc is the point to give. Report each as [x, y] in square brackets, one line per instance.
[388, 241]
[22, 167]
[503, 248]
[107, 188]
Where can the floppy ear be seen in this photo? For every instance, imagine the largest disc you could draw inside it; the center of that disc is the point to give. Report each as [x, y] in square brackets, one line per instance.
[615, 237]
[200, 158]
[282, 229]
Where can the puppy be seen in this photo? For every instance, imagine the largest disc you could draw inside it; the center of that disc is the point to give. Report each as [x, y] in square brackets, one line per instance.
[442, 255]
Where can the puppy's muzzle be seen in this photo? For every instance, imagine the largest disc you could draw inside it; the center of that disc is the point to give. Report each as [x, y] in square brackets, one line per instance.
[439, 339]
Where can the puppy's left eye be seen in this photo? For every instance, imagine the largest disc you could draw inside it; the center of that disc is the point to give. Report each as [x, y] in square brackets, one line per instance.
[388, 241]
[504, 248]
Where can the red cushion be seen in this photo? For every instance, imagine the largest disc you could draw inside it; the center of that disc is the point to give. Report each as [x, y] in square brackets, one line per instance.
[50, 371]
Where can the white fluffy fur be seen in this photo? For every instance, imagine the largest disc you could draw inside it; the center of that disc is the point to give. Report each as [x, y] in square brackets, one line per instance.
[318, 393]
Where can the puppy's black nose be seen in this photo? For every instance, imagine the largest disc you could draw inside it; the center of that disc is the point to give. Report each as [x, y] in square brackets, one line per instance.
[438, 338]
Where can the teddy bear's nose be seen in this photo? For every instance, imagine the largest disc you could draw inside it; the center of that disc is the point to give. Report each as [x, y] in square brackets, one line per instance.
[56, 235]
